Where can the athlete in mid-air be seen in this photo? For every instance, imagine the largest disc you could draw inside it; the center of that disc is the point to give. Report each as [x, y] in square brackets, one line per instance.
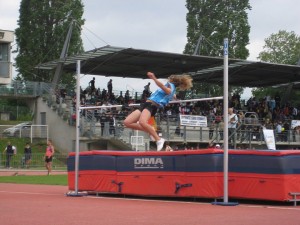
[139, 118]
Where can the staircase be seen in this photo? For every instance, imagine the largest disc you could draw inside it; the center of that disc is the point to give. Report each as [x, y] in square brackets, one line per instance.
[59, 119]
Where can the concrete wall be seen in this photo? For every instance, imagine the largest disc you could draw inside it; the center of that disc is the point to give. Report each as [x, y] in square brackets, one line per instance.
[62, 134]
[4, 116]
[7, 37]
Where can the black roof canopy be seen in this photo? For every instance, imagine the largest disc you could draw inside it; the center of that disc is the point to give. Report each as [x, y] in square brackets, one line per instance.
[134, 63]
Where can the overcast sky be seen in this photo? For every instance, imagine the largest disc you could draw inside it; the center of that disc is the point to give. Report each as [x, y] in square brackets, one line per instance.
[160, 25]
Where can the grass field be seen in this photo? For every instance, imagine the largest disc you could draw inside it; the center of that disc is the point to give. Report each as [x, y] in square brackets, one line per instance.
[48, 180]
[38, 151]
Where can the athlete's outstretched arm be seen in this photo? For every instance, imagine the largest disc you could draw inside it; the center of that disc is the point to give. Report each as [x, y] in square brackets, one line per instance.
[158, 83]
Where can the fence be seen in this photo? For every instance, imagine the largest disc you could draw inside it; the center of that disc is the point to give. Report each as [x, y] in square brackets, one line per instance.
[36, 133]
[27, 89]
[24, 130]
[169, 127]
[15, 112]
[36, 161]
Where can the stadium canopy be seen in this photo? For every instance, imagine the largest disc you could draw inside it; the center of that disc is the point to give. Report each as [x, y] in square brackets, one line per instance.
[134, 63]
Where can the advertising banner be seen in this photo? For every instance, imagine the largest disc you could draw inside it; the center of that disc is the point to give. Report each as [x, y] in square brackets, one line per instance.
[295, 123]
[194, 121]
[270, 139]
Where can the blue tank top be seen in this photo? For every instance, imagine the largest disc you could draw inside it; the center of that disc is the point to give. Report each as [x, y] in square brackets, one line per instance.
[160, 97]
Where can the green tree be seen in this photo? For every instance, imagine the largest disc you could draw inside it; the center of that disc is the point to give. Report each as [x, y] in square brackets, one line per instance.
[43, 26]
[212, 21]
[282, 47]
[215, 20]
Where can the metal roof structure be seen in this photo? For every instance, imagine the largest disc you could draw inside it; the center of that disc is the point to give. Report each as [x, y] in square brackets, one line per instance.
[135, 63]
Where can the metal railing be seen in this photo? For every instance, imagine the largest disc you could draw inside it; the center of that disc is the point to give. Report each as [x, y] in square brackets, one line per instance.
[169, 128]
[24, 130]
[35, 161]
[28, 89]
[92, 126]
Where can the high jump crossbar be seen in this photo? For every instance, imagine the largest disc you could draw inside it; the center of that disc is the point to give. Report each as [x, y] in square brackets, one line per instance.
[137, 104]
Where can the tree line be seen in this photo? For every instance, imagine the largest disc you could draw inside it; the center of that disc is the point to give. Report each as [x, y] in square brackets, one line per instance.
[43, 26]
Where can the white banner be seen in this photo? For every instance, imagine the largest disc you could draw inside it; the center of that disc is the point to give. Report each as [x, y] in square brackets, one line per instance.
[194, 121]
[295, 123]
[269, 139]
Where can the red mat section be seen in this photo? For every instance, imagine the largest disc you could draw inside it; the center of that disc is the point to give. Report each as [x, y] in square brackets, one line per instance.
[265, 175]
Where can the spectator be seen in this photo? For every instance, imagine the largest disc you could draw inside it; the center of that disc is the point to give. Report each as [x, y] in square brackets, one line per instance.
[103, 119]
[109, 87]
[221, 129]
[232, 124]
[10, 150]
[27, 155]
[146, 92]
[104, 94]
[295, 113]
[168, 147]
[212, 127]
[279, 131]
[120, 99]
[97, 112]
[272, 104]
[92, 85]
[127, 97]
[241, 124]
[285, 131]
[112, 123]
[105, 109]
[147, 88]
[63, 94]
[217, 146]
[49, 156]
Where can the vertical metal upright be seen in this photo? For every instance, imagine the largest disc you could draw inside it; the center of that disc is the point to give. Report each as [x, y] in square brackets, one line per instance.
[225, 113]
[225, 131]
[77, 111]
[77, 125]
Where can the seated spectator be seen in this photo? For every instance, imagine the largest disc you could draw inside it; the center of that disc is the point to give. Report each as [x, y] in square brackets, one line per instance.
[168, 147]
[127, 97]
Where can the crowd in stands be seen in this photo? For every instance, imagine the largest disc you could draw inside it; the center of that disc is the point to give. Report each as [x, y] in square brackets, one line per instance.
[267, 112]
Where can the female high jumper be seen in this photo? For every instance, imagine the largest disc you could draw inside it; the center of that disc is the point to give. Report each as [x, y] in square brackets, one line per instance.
[138, 119]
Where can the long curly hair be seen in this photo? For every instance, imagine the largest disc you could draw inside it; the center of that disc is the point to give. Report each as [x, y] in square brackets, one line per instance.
[183, 82]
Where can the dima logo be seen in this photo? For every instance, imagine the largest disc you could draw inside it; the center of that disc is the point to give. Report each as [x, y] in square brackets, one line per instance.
[148, 163]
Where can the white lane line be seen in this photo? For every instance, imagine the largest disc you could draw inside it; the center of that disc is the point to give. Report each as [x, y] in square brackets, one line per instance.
[156, 200]
[196, 203]
[27, 193]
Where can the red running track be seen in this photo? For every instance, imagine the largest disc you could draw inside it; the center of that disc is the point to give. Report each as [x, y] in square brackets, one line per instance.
[48, 205]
